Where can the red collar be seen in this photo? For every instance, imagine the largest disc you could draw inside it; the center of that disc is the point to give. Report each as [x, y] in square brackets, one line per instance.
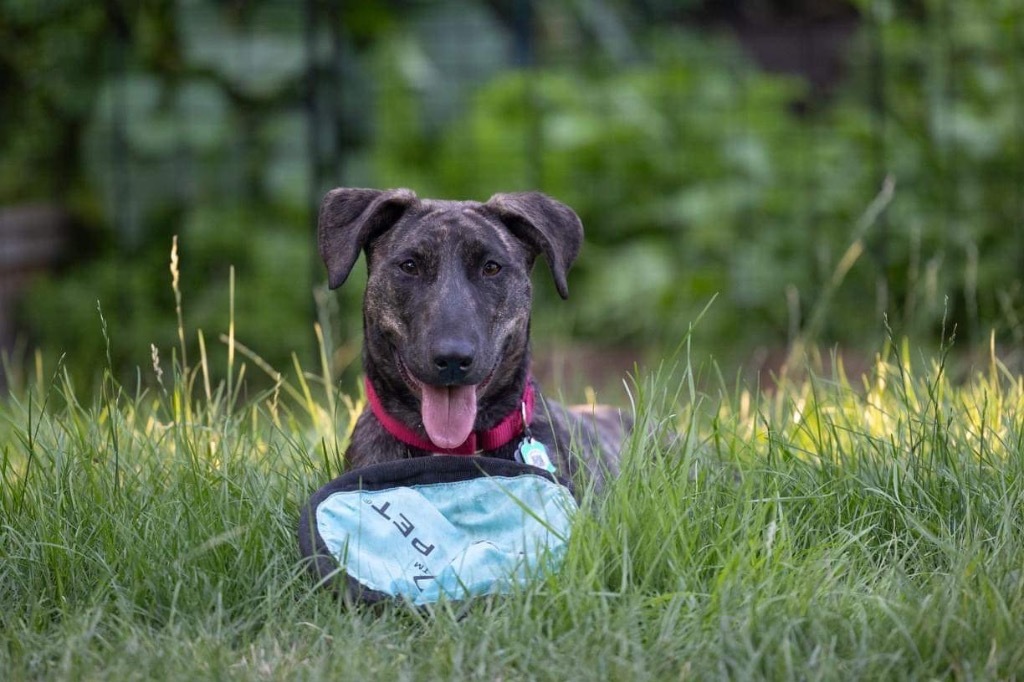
[479, 441]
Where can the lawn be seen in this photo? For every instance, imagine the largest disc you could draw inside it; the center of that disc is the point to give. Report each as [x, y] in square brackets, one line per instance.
[857, 528]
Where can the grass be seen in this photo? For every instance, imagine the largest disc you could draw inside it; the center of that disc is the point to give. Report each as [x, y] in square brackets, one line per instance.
[836, 529]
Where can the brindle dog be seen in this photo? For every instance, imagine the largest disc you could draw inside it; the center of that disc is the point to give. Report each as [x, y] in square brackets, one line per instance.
[446, 317]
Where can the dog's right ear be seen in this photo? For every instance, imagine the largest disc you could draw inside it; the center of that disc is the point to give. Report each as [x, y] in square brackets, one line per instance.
[349, 219]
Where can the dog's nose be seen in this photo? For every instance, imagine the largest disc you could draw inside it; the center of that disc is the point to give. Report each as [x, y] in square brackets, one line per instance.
[453, 359]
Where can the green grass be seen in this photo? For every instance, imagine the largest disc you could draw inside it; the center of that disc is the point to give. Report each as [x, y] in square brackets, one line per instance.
[860, 530]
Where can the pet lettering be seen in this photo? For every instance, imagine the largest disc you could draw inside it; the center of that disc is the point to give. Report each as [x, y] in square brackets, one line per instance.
[405, 527]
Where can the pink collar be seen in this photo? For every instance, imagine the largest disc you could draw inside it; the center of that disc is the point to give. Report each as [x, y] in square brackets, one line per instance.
[479, 441]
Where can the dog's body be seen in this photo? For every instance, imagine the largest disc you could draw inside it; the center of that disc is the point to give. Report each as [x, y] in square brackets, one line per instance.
[446, 318]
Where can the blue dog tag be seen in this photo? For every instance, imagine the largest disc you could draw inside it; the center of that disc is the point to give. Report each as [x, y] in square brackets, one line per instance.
[534, 453]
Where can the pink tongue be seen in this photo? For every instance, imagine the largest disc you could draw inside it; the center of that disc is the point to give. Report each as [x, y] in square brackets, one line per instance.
[449, 413]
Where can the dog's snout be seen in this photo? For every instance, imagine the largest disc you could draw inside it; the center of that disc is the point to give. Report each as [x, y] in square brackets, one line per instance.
[453, 358]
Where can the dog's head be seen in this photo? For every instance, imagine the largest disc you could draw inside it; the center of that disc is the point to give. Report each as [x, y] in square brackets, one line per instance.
[446, 312]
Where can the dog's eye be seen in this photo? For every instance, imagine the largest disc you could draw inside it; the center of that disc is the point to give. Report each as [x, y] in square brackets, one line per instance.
[409, 267]
[491, 268]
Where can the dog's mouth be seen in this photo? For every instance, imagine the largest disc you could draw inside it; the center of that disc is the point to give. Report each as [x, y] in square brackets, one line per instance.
[448, 412]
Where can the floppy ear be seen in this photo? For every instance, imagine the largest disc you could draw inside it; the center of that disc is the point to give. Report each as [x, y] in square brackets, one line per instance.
[545, 225]
[349, 219]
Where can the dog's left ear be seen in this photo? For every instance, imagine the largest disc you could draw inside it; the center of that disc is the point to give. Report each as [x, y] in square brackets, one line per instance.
[545, 225]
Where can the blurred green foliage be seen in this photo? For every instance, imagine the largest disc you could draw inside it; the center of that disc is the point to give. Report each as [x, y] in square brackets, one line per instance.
[695, 172]
[695, 176]
[673, 167]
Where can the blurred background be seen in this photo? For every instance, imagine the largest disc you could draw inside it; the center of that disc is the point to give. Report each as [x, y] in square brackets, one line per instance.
[728, 147]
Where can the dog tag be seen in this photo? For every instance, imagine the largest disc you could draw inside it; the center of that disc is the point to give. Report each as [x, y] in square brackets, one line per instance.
[534, 453]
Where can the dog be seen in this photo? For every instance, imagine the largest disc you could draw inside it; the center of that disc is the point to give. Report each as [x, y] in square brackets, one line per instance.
[446, 321]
